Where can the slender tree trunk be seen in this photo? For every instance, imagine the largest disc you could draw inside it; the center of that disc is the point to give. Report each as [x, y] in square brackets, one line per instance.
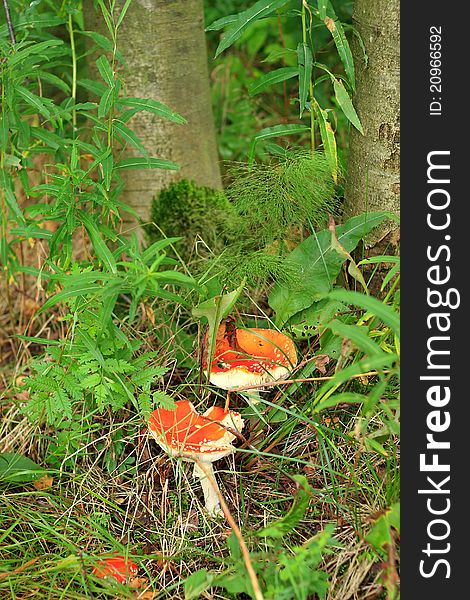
[163, 43]
[373, 180]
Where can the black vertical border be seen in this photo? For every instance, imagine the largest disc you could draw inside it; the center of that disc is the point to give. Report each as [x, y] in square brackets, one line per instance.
[421, 133]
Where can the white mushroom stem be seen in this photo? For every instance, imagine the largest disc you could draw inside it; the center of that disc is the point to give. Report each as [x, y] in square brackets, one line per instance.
[207, 477]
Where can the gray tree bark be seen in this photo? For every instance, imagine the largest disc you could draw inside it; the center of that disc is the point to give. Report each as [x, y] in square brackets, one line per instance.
[163, 43]
[373, 178]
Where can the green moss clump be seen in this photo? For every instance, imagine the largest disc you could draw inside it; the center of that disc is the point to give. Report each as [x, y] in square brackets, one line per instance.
[200, 215]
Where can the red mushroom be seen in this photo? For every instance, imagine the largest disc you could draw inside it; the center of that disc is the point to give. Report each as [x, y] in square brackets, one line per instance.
[185, 433]
[249, 357]
[120, 568]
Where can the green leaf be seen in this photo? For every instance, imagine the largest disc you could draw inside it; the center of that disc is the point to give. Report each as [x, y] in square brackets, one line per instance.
[35, 101]
[128, 136]
[107, 167]
[344, 398]
[260, 9]
[271, 78]
[123, 13]
[163, 400]
[16, 468]
[328, 139]
[154, 107]
[146, 163]
[222, 22]
[105, 70]
[99, 246]
[272, 132]
[336, 29]
[380, 533]
[322, 5]
[4, 128]
[377, 362]
[214, 310]
[358, 334]
[318, 264]
[197, 583]
[103, 42]
[95, 87]
[375, 307]
[7, 185]
[175, 277]
[35, 48]
[71, 292]
[50, 139]
[297, 511]
[106, 103]
[53, 79]
[305, 61]
[346, 104]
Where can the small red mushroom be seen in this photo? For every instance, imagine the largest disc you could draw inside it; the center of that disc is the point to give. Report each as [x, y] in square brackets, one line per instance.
[122, 569]
[185, 433]
[249, 357]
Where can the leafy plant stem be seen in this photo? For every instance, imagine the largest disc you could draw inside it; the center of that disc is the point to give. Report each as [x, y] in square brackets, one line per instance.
[312, 115]
[74, 70]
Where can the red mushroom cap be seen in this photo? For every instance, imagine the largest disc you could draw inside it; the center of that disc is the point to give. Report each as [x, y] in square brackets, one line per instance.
[184, 432]
[246, 357]
[120, 568]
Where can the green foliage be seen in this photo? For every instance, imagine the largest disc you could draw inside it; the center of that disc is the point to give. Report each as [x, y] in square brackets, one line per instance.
[100, 368]
[319, 262]
[274, 204]
[381, 534]
[284, 574]
[18, 469]
[94, 367]
[200, 216]
[321, 20]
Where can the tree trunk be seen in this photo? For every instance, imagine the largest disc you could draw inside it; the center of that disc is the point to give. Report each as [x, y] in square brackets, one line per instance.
[373, 179]
[163, 43]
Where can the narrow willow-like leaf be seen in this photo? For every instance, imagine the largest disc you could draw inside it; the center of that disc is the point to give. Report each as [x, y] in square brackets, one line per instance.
[322, 6]
[36, 48]
[260, 9]
[346, 104]
[103, 42]
[274, 131]
[152, 106]
[99, 245]
[376, 362]
[7, 185]
[35, 101]
[271, 78]
[336, 29]
[328, 139]
[107, 170]
[105, 103]
[305, 61]
[222, 22]
[128, 136]
[139, 162]
[123, 13]
[105, 70]
[70, 292]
